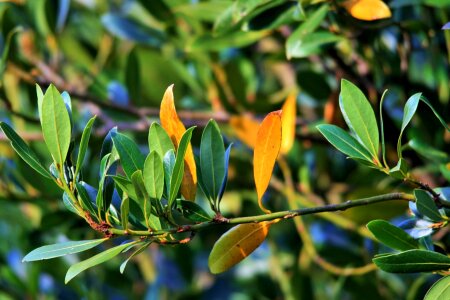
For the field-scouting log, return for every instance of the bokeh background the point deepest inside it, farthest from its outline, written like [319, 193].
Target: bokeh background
[227, 59]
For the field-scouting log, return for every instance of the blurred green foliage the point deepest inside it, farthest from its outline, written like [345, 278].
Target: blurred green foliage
[226, 58]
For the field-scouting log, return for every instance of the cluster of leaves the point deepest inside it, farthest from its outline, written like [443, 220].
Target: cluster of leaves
[413, 237]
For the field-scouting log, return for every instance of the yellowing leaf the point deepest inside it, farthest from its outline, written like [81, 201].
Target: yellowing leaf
[175, 129]
[246, 129]
[367, 10]
[288, 122]
[268, 143]
[236, 244]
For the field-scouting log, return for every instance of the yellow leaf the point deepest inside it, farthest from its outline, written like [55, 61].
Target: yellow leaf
[246, 129]
[288, 122]
[175, 129]
[236, 244]
[367, 10]
[268, 143]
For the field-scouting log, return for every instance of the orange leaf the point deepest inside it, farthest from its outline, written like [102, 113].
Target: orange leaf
[246, 129]
[175, 129]
[268, 143]
[236, 244]
[367, 10]
[288, 122]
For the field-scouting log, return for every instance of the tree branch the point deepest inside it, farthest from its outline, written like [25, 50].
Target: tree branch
[288, 214]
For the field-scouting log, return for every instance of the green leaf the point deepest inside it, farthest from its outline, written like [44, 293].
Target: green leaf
[413, 261]
[40, 99]
[131, 157]
[142, 195]
[6, 47]
[178, 168]
[440, 290]
[383, 145]
[400, 171]
[99, 201]
[24, 151]
[192, 211]
[392, 236]
[425, 100]
[84, 144]
[125, 211]
[86, 202]
[138, 251]
[359, 116]
[68, 203]
[77, 268]
[125, 185]
[56, 125]
[133, 76]
[169, 164]
[408, 113]
[344, 142]
[212, 161]
[61, 249]
[235, 245]
[428, 151]
[296, 39]
[158, 140]
[309, 44]
[426, 206]
[237, 39]
[154, 175]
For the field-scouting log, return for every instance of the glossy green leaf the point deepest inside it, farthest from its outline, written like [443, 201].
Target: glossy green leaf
[86, 202]
[124, 211]
[212, 161]
[169, 164]
[69, 205]
[154, 175]
[413, 261]
[408, 113]
[61, 249]
[392, 236]
[344, 142]
[24, 151]
[56, 125]
[192, 211]
[440, 290]
[77, 268]
[235, 245]
[178, 168]
[138, 251]
[103, 169]
[125, 185]
[359, 116]
[159, 140]
[84, 144]
[131, 157]
[426, 206]
[142, 195]
[225, 178]
[400, 171]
